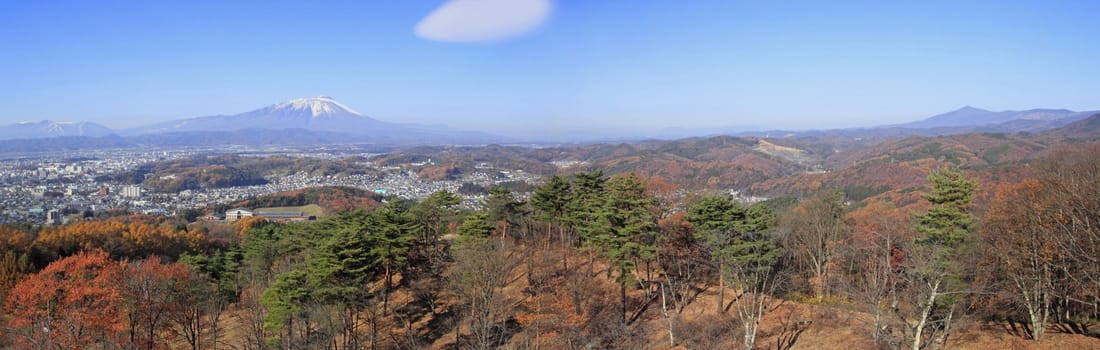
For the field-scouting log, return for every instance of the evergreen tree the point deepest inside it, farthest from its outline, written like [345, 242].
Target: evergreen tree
[434, 214]
[716, 220]
[738, 241]
[475, 229]
[586, 209]
[503, 207]
[392, 231]
[947, 222]
[340, 266]
[283, 301]
[551, 202]
[946, 230]
[734, 237]
[631, 230]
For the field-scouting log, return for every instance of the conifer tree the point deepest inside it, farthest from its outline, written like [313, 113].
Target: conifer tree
[392, 230]
[503, 208]
[585, 208]
[947, 223]
[283, 301]
[551, 202]
[631, 227]
[476, 228]
[946, 229]
[739, 242]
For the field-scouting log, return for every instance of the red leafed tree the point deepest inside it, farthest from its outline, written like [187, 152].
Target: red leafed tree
[71, 304]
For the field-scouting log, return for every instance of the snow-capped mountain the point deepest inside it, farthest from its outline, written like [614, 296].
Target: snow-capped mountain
[318, 107]
[47, 128]
[317, 114]
[320, 113]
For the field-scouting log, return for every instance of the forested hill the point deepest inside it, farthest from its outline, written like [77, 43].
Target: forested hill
[697, 163]
[216, 171]
[587, 260]
[926, 242]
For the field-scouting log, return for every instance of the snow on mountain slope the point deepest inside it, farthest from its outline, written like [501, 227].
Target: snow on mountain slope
[317, 114]
[47, 128]
[320, 106]
[321, 113]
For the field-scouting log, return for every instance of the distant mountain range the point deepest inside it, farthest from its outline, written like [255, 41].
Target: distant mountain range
[304, 121]
[323, 120]
[971, 117]
[961, 121]
[320, 113]
[46, 128]
[1087, 129]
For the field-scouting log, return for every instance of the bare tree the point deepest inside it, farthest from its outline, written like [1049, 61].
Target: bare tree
[756, 280]
[812, 232]
[1071, 182]
[1021, 251]
[479, 273]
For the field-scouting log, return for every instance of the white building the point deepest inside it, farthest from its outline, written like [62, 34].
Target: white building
[237, 214]
[132, 191]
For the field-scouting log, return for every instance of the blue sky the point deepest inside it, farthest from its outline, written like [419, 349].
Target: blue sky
[607, 66]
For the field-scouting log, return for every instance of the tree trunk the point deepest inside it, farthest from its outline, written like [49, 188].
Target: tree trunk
[750, 333]
[721, 288]
[664, 311]
[925, 313]
[947, 326]
[289, 333]
[622, 300]
[1037, 301]
[821, 286]
[1037, 315]
[386, 291]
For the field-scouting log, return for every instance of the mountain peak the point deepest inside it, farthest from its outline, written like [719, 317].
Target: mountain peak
[50, 128]
[320, 106]
[969, 108]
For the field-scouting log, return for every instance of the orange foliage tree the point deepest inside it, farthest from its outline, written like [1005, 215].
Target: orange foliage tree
[152, 293]
[120, 237]
[70, 304]
[88, 300]
[1021, 252]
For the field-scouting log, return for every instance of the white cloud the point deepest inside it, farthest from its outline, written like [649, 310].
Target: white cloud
[483, 20]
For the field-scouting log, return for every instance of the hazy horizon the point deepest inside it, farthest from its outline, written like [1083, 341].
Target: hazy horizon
[552, 67]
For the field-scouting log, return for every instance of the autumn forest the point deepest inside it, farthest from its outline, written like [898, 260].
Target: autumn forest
[930, 252]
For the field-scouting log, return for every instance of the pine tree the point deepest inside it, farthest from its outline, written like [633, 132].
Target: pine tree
[339, 267]
[716, 220]
[947, 230]
[738, 241]
[947, 222]
[434, 214]
[551, 202]
[283, 301]
[392, 231]
[631, 230]
[476, 229]
[503, 208]
[585, 203]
